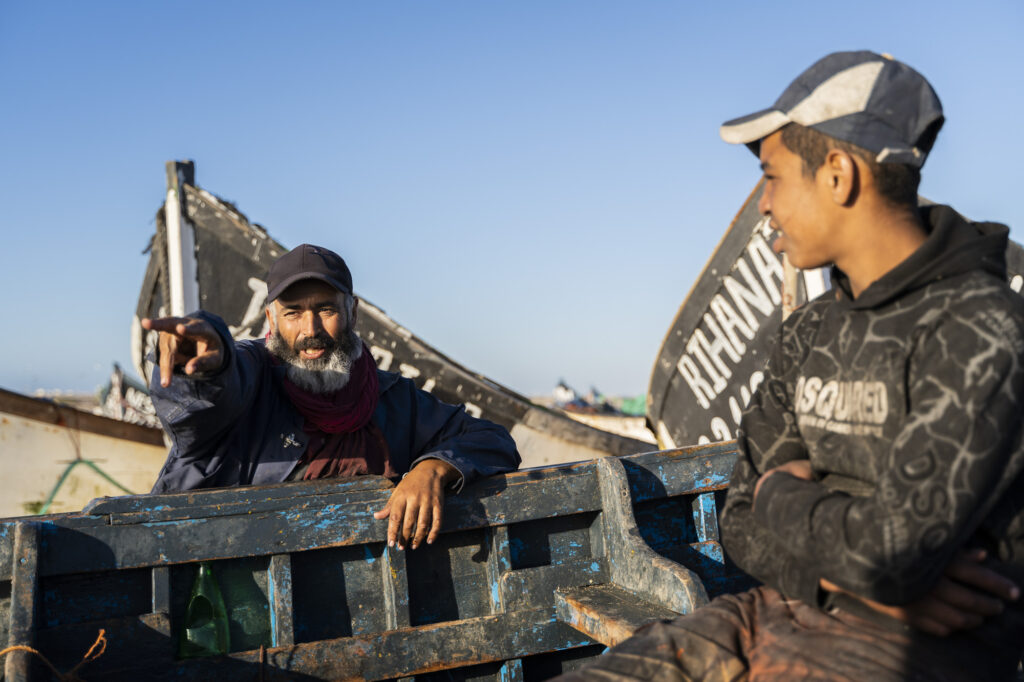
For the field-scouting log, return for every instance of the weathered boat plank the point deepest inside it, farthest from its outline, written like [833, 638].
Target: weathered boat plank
[532, 587]
[282, 612]
[631, 561]
[24, 614]
[607, 613]
[305, 572]
[178, 505]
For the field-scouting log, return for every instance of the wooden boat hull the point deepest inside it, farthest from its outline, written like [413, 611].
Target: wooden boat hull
[714, 353]
[524, 563]
[60, 458]
[234, 257]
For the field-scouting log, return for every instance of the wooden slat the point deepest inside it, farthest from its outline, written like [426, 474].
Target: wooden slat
[607, 613]
[282, 612]
[498, 562]
[668, 473]
[396, 588]
[161, 506]
[705, 518]
[534, 587]
[386, 655]
[161, 579]
[511, 671]
[24, 601]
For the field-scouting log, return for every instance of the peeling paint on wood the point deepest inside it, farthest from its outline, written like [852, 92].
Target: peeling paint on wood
[305, 572]
[607, 613]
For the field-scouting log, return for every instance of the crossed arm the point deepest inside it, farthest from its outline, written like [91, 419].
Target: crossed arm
[965, 594]
[795, 534]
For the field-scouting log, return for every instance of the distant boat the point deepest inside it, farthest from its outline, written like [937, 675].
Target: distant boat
[206, 254]
[57, 458]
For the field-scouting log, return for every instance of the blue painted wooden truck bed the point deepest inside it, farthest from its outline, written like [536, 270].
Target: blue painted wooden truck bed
[306, 574]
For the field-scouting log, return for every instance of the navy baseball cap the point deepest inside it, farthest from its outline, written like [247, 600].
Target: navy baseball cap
[308, 262]
[867, 99]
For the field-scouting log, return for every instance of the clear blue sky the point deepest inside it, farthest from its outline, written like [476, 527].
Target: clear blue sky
[530, 186]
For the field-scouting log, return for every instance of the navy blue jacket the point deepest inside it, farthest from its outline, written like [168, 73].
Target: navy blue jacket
[237, 426]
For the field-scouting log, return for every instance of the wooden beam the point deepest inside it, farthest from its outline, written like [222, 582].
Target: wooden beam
[24, 601]
[607, 613]
[282, 612]
[181, 241]
[631, 561]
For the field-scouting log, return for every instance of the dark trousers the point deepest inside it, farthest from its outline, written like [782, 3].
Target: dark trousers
[760, 636]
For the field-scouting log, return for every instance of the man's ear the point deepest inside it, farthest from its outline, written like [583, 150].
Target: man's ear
[842, 176]
[270, 317]
[355, 310]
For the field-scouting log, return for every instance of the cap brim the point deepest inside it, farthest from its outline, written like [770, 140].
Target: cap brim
[298, 277]
[753, 127]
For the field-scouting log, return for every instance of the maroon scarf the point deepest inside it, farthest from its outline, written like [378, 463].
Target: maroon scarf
[343, 440]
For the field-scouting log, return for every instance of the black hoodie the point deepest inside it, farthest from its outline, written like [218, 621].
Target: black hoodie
[907, 402]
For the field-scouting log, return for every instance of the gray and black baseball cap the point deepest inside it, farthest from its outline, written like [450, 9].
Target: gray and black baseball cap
[308, 262]
[866, 99]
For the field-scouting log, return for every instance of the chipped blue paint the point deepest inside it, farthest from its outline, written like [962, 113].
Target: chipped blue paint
[511, 671]
[714, 480]
[712, 550]
[271, 596]
[495, 595]
[520, 571]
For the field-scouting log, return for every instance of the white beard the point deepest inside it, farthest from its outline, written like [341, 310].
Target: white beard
[322, 375]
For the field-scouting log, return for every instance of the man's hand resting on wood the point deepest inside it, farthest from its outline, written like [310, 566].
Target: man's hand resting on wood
[188, 342]
[415, 507]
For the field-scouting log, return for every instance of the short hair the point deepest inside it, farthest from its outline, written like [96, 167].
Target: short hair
[896, 182]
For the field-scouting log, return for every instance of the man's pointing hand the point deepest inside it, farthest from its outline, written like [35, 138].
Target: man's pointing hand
[186, 341]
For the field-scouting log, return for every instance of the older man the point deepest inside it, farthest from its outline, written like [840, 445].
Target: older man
[309, 403]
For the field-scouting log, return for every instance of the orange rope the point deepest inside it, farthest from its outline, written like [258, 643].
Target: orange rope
[71, 675]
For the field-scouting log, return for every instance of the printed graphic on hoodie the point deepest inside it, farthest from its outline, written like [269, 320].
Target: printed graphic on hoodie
[848, 407]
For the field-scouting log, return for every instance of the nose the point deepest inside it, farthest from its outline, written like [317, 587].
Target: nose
[764, 204]
[310, 323]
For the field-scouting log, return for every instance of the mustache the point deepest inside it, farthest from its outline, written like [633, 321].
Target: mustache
[321, 341]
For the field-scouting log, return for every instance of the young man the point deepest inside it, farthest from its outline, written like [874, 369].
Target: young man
[878, 490]
[310, 403]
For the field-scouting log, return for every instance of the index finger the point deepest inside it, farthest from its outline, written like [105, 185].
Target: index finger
[197, 328]
[163, 324]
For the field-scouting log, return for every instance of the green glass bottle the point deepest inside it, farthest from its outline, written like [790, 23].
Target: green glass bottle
[205, 631]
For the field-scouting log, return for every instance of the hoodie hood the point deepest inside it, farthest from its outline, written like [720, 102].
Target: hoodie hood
[954, 246]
